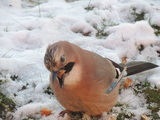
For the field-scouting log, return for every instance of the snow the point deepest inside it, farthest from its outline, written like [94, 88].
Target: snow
[26, 29]
[126, 38]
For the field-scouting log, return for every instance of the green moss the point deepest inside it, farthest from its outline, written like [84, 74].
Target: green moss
[25, 119]
[156, 29]
[101, 34]
[48, 90]
[140, 48]
[122, 116]
[155, 116]
[152, 95]
[6, 105]
[34, 2]
[89, 8]
[101, 30]
[14, 77]
[28, 118]
[138, 16]
[3, 81]
[140, 87]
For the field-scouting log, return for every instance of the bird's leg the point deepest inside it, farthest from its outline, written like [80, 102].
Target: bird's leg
[62, 113]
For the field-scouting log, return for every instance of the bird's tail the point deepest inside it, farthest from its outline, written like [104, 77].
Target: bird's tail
[133, 67]
[137, 67]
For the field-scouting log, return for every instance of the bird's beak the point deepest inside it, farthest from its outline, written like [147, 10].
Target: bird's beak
[54, 75]
[61, 82]
[59, 75]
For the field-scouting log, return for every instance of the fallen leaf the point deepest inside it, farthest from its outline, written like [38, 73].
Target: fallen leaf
[45, 112]
[144, 117]
[86, 33]
[111, 118]
[124, 60]
[127, 83]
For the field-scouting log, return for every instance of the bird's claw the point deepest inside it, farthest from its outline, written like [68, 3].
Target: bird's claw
[62, 113]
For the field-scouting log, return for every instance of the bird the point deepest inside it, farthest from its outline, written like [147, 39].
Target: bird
[83, 81]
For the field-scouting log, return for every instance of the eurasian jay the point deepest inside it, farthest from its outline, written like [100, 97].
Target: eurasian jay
[83, 81]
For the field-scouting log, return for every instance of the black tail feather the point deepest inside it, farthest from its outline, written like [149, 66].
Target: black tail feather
[137, 67]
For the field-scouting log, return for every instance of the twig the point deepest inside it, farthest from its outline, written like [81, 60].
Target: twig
[6, 53]
[39, 9]
[20, 24]
[89, 3]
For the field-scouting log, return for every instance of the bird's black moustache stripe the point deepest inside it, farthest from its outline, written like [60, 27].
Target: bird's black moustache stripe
[68, 67]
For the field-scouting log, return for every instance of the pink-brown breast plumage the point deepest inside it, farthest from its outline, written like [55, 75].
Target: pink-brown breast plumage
[85, 86]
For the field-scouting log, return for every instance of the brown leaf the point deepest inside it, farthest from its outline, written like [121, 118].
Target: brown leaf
[127, 83]
[124, 60]
[86, 33]
[45, 112]
[144, 117]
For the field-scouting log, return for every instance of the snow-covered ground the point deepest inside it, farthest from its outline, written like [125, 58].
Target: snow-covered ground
[113, 29]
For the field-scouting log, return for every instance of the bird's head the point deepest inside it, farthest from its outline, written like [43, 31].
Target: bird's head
[59, 61]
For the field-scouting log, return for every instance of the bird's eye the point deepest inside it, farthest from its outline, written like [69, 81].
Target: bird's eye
[62, 59]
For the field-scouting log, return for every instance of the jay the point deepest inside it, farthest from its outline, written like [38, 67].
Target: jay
[83, 81]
